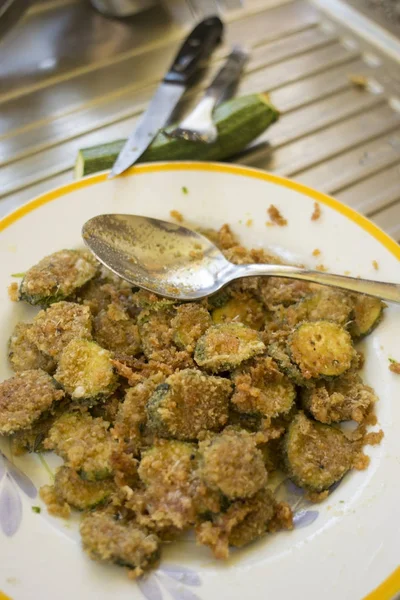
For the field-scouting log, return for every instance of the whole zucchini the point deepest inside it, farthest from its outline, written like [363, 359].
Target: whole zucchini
[239, 121]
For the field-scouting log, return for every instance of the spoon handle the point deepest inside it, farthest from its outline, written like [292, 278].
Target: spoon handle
[377, 289]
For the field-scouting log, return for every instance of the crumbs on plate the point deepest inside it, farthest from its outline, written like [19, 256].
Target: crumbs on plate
[375, 265]
[316, 252]
[394, 366]
[175, 214]
[317, 212]
[276, 217]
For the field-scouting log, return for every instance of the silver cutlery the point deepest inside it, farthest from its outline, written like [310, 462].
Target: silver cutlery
[176, 262]
[198, 126]
[194, 51]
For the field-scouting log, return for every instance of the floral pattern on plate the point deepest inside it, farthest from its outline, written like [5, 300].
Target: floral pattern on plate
[12, 480]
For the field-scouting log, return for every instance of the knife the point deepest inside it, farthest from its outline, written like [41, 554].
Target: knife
[194, 51]
[198, 126]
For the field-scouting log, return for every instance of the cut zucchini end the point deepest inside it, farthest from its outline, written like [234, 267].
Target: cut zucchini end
[321, 349]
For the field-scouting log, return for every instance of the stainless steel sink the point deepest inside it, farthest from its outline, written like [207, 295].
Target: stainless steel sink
[71, 78]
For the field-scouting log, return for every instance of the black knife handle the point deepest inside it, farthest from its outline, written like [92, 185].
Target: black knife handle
[195, 49]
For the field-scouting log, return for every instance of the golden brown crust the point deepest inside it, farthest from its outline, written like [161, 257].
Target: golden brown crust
[24, 355]
[54, 328]
[24, 398]
[232, 464]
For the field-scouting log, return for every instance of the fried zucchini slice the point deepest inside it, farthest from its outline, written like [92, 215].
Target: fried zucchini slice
[280, 353]
[324, 303]
[123, 543]
[224, 347]
[84, 443]
[316, 455]
[54, 328]
[261, 389]
[232, 464]
[243, 522]
[321, 349]
[188, 403]
[115, 330]
[156, 332]
[80, 494]
[167, 471]
[24, 398]
[57, 276]
[367, 314]
[241, 308]
[277, 291]
[85, 371]
[25, 356]
[190, 322]
[341, 399]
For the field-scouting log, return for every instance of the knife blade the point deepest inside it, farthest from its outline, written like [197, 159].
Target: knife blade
[196, 48]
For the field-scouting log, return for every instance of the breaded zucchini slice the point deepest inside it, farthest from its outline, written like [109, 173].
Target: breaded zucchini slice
[24, 398]
[315, 455]
[169, 462]
[123, 543]
[242, 308]
[280, 353]
[57, 276]
[84, 443]
[85, 371]
[341, 399]
[277, 291]
[167, 472]
[321, 349]
[54, 328]
[261, 389]
[190, 322]
[115, 330]
[23, 355]
[188, 403]
[367, 314]
[224, 347]
[155, 330]
[232, 464]
[324, 303]
[78, 493]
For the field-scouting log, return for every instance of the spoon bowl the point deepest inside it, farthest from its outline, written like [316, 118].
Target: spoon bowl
[162, 257]
[179, 263]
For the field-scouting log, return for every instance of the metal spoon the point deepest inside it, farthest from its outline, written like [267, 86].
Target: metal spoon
[179, 263]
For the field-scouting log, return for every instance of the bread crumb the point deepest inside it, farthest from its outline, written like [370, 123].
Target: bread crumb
[276, 216]
[13, 291]
[394, 366]
[317, 212]
[321, 268]
[375, 265]
[184, 190]
[316, 252]
[249, 222]
[175, 214]
[359, 81]
[347, 273]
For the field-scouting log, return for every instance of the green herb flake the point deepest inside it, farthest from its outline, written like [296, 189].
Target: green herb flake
[17, 274]
[184, 190]
[36, 509]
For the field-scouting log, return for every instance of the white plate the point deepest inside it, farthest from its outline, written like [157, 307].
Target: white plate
[351, 544]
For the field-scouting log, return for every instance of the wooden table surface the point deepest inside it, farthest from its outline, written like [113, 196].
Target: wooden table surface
[70, 78]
